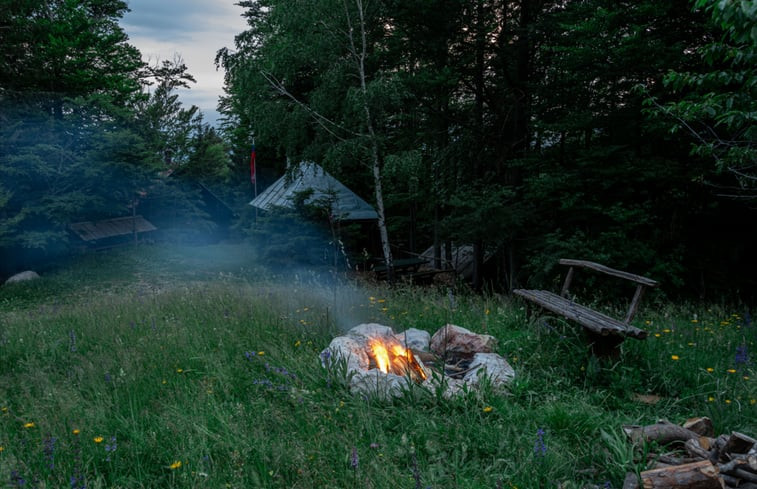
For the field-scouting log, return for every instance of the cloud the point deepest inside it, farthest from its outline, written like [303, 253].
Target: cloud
[193, 29]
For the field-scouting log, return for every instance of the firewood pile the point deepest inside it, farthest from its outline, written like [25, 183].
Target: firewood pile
[696, 458]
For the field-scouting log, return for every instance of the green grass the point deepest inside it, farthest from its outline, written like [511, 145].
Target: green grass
[203, 371]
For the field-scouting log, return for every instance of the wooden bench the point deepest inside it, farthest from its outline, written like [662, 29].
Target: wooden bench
[606, 333]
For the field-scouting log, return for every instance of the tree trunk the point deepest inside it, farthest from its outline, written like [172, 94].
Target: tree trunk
[375, 155]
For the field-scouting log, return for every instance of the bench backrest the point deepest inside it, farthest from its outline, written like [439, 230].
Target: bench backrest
[638, 279]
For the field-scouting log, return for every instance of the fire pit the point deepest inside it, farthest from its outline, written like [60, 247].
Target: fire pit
[384, 363]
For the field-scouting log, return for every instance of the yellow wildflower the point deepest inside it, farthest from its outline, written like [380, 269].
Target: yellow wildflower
[666, 330]
[98, 439]
[297, 343]
[179, 370]
[76, 431]
[710, 399]
[694, 321]
[657, 335]
[175, 465]
[261, 353]
[488, 409]
[727, 401]
[2, 448]
[710, 369]
[381, 301]
[486, 312]
[4, 409]
[28, 425]
[746, 377]
[752, 401]
[731, 370]
[675, 357]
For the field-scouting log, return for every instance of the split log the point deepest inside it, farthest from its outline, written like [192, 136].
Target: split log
[739, 443]
[696, 475]
[730, 481]
[745, 475]
[694, 448]
[701, 425]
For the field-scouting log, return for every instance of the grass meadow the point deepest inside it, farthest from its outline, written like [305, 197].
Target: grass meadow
[193, 368]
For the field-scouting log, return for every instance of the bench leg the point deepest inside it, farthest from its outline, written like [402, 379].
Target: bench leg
[605, 347]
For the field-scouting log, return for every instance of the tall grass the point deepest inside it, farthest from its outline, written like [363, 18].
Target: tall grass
[173, 370]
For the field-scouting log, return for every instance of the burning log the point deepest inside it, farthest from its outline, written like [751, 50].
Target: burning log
[728, 461]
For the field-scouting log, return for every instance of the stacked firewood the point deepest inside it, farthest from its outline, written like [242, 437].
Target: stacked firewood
[697, 460]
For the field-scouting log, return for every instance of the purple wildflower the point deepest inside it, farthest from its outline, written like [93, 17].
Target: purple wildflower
[49, 451]
[741, 358]
[354, 459]
[540, 448]
[416, 470]
[111, 447]
[16, 479]
[72, 340]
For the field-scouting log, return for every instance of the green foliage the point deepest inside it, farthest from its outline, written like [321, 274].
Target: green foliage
[716, 103]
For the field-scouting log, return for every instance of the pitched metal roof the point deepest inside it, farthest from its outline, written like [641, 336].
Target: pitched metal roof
[108, 228]
[347, 205]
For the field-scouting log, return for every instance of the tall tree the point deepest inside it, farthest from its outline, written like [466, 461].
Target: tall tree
[67, 78]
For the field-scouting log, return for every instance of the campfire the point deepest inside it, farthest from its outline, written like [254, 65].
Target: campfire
[391, 357]
[384, 363]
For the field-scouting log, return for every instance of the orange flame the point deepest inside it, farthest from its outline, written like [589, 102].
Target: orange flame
[399, 360]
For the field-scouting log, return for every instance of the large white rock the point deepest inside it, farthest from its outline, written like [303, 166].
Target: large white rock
[492, 366]
[453, 339]
[415, 339]
[22, 277]
[370, 330]
[350, 350]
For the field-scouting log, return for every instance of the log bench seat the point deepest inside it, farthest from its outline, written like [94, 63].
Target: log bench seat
[605, 332]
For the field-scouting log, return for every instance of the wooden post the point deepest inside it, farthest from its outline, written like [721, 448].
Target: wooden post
[566, 285]
[634, 304]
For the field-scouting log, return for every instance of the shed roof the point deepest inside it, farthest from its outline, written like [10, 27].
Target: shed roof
[308, 175]
[108, 228]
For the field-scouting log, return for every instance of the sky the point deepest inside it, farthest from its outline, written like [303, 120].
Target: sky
[194, 29]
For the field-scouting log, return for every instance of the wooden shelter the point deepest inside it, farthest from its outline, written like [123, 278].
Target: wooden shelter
[308, 176]
[112, 232]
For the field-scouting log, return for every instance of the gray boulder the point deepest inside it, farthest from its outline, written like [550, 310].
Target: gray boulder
[22, 277]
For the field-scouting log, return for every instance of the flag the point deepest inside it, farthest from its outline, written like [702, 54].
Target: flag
[252, 164]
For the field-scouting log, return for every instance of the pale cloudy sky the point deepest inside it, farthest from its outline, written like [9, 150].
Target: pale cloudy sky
[196, 30]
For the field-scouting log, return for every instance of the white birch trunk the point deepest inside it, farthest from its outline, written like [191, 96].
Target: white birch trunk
[376, 160]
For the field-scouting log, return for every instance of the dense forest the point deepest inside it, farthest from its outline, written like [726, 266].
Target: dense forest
[618, 131]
